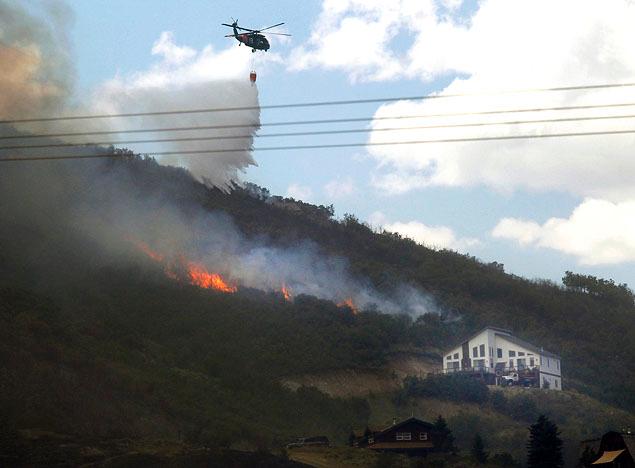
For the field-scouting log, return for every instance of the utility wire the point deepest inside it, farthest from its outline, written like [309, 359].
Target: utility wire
[320, 146]
[311, 133]
[313, 122]
[317, 103]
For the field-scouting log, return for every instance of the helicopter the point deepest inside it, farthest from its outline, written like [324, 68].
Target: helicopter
[252, 38]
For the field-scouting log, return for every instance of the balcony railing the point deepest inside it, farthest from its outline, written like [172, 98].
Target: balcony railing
[498, 370]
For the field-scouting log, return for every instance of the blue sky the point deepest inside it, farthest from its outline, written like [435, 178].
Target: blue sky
[470, 199]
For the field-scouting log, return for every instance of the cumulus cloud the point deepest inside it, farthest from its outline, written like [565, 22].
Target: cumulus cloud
[339, 188]
[598, 232]
[503, 45]
[439, 237]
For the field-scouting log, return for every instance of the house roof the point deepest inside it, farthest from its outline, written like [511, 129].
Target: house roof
[527, 345]
[496, 329]
[629, 441]
[507, 334]
[608, 457]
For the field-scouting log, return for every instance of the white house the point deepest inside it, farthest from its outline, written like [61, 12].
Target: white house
[495, 352]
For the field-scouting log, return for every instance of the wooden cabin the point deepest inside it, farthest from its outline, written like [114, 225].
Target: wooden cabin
[412, 436]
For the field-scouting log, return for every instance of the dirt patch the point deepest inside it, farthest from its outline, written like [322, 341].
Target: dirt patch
[360, 383]
[346, 383]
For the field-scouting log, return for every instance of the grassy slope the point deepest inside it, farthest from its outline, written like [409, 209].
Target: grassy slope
[88, 346]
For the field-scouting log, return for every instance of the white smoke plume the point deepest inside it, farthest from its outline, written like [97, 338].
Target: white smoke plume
[211, 239]
[36, 80]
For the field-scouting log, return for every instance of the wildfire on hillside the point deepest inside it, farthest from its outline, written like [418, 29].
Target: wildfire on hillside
[286, 292]
[348, 302]
[180, 268]
[185, 270]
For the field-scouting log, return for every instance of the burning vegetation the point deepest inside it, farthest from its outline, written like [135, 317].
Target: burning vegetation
[181, 269]
[196, 274]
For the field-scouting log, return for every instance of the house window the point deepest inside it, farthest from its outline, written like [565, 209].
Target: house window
[499, 352]
[521, 353]
[449, 357]
[482, 350]
[423, 436]
[512, 353]
[531, 362]
[456, 355]
[474, 351]
[521, 363]
[479, 363]
[404, 436]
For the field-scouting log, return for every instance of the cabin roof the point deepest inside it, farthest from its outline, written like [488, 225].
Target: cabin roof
[406, 421]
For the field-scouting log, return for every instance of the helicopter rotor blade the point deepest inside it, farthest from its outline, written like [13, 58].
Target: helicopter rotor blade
[278, 34]
[275, 25]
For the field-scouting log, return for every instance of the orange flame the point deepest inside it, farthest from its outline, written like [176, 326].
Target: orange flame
[196, 273]
[350, 304]
[286, 292]
[202, 278]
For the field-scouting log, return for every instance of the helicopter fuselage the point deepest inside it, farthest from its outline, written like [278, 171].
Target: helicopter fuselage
[254, 40]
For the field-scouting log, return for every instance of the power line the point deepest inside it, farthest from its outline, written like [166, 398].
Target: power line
[317, 103]
[313, 133]
[320, 146]
[314, 122]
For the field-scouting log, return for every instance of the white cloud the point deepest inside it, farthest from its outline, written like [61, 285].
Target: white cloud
[171, 53]
[505, 44]
[339, 188]
[299, 192]
[597, 232]
[353, 35]
[439, 237]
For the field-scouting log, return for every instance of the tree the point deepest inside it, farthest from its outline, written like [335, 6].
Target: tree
[545, 446]
[446, 443]
[478, 449]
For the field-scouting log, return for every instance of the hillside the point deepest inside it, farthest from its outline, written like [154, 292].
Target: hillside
[97, 337]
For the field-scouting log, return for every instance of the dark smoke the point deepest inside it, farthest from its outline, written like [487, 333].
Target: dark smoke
[36, 72]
